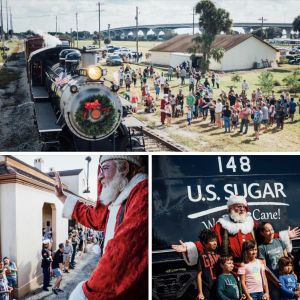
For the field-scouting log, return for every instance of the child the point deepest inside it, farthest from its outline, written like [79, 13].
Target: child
[289, 288]
[206, 265]
[4, 288]
[252, 272]
[189, 116]
[157, 91]
[234, 120]
[229, 288]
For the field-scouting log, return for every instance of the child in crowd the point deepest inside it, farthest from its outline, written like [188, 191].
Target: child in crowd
[189, 115]
[229, 287]
[234, 120]
[289, 287]
[207, 266]
[252, 272]
[5, 290]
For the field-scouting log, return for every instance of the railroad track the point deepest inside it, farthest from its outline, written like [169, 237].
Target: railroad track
[156, 143]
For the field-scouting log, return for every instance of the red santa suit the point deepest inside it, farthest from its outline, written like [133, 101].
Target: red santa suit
[122, 272]
[163, 103]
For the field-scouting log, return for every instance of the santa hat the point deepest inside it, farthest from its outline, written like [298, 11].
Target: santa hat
[131, 158]
[236, 199]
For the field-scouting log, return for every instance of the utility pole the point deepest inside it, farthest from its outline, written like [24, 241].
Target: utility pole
[193, 20]
[55, 25]
[137, 33]
[1, 18]
[6, 19]
[71, 44]
[11, 22]
[77, 27]
[262, 25]
[108, 29]
[99, 15]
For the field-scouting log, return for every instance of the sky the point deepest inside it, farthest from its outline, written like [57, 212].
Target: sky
[41, 14]
[62, 162]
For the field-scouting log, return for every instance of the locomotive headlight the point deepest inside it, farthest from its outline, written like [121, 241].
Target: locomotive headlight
[94, 73]
[73, 89]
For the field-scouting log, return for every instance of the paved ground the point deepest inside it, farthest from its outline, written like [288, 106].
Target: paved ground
[83, 270]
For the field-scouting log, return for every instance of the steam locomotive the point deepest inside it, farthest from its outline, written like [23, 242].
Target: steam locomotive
[76, 108]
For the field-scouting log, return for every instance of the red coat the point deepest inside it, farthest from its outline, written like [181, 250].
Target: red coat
[122, 272]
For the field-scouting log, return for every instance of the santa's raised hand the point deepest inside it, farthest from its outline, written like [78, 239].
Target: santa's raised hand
[293, 233]
[182, 248]
[58, 188]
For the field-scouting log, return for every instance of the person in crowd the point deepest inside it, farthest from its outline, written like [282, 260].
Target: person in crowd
[245, 86]
[289, 286]
[228, 286]
[182, 75]
[5, 289]
[227, 117]
[46, 264]
[190, 101]
[279, 115]
[127, 82]
[163, 103]
[218, 113]
[257, 118]
[168, 111]
[170, 73]
[207, 261]
[234, 120]
[292, 109]
[75, 242]
[122, 212]
[192, 84]
[217, 77]
[189, 115]
[245, 115]
[57, 268]
[68, 251]
[11, 271]
[134, 103]
[265, 115]
[252, 273]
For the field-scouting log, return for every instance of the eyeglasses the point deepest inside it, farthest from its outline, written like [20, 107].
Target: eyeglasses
[239, 207]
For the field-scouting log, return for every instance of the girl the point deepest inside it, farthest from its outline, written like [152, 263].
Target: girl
[289, 288]
[252, 272]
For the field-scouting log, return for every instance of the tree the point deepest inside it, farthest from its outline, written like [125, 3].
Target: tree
[212, 21]
[292, 81]
[107, 41]
[296, 24]
[236, 78]
[266, 82]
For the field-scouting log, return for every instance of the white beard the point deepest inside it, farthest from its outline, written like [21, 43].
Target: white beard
[238, 218]
[111, 190]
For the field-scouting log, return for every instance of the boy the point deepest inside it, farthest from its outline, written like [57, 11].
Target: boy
[189, 115]
[229, 288]
[57, 267]
[206, 265]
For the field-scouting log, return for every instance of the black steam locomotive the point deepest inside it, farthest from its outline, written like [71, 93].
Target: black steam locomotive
[76, 108]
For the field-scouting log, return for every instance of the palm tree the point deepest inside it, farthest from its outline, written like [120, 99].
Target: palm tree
[212, 21]
[296, 24]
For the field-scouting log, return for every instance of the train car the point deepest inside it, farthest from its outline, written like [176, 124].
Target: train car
[76, 108]
[190, 194]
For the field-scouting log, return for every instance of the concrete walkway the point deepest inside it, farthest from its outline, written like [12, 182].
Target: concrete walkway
[84, 267]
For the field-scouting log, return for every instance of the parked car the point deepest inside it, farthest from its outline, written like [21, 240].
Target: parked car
[114, 60]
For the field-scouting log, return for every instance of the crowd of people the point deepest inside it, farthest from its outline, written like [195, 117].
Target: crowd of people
[241, 259]
[8, 278]
[230, 110]
[55, 263]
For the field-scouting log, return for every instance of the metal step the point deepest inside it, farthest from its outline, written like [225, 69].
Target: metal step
[45, 117]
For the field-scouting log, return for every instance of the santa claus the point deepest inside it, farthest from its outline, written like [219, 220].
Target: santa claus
[122, 213]
[232, 230]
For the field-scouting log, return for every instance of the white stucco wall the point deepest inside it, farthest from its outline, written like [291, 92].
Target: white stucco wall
[177, 59]
[76, 183]
[244, 55]
[160, 58]
[21, 228]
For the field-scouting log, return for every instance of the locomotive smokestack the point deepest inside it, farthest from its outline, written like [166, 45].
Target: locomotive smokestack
[88, 59]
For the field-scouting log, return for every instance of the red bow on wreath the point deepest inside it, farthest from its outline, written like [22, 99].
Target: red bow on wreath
[95, 105]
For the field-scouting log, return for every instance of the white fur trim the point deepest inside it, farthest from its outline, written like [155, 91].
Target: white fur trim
[129, 187]
[111, 224]
[137, 160]
[78, 293]
[69, 207]
[235, 199]
[192, 253]
[284, 235]
[233, 228]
